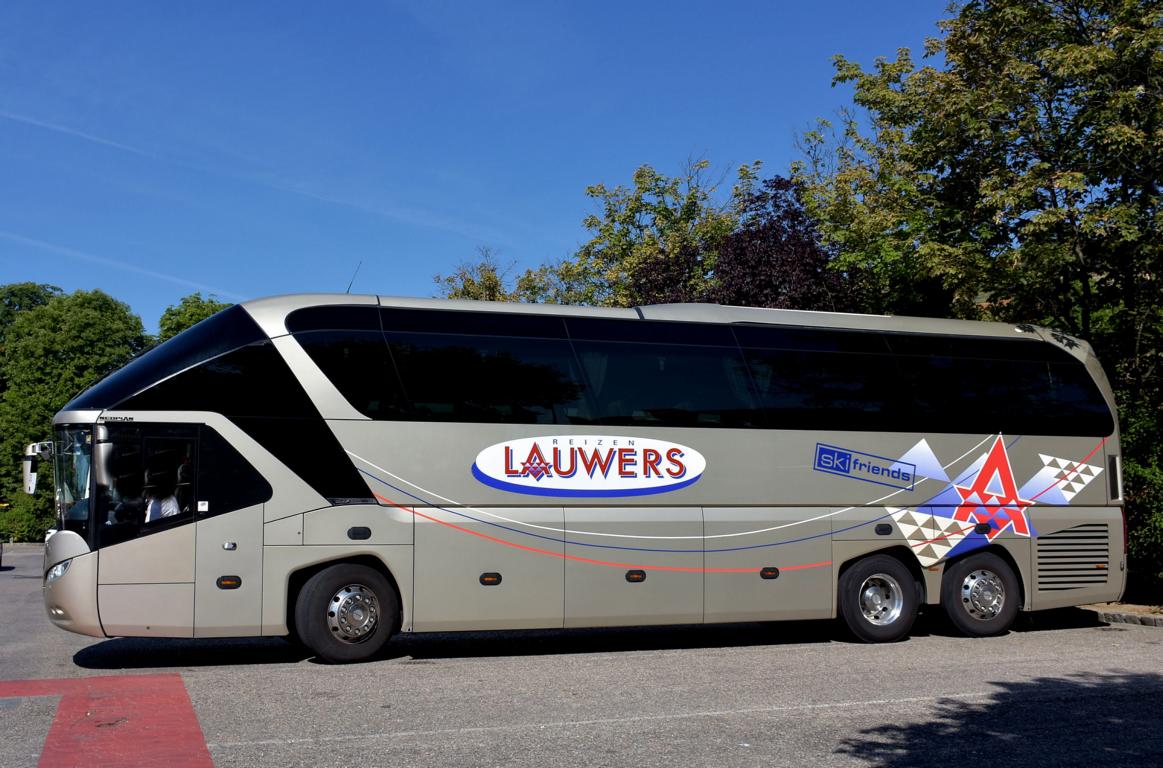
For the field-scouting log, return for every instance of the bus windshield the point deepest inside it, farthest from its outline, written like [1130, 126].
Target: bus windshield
[74, 454]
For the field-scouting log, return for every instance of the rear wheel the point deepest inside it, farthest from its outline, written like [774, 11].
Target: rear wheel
[980, 595]
[878, 599]
[346, 613]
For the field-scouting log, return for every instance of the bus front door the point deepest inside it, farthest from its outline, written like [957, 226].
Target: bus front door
[144, 529]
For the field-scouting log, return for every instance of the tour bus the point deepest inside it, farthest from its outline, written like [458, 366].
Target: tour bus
[339, 468]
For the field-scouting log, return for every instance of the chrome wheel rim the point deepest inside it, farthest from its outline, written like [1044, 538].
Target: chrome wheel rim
[881, 599]
[983, 594]
[353, 613]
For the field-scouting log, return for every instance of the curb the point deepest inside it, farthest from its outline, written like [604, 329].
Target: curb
[1142, 619]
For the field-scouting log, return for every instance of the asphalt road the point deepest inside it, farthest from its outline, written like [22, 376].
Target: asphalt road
[1062, 690]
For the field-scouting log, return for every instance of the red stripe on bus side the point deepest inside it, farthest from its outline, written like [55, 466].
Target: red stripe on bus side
[944, 536]
[589, 560]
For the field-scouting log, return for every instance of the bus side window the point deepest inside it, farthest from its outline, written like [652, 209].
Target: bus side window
[226, 480]
[169, 475]
[151, 481]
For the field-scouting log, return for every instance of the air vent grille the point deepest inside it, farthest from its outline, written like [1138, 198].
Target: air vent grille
[1075, 558]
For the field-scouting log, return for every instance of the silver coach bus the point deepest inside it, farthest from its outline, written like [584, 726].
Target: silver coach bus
[339, 468]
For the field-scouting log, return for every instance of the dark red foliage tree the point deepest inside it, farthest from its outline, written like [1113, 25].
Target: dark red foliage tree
[774, 258]
[669, 278]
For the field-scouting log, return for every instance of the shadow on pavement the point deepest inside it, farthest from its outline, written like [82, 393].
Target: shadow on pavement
[154, 653]
[1084, 720]
[1060, 618]
[160, 653]
[150, 653]
[606, 640]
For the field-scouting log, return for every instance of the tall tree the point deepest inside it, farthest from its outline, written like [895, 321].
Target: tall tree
[1025, 172]
[1022, 170]
[485, 279]
[188, 312]
[54, 352]
[656, 240]
[775, 258]
[16, 298]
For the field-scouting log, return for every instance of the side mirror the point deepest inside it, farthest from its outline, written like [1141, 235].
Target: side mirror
[33, 455]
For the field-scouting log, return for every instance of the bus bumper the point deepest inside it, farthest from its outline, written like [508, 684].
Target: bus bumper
[70, 600]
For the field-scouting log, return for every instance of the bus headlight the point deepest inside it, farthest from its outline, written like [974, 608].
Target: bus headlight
[56, 572]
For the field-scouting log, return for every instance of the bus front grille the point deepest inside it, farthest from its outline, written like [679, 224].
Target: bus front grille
[1074, 558]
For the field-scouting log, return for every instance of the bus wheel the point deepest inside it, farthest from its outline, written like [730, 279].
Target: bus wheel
[878, 599]
[980, 595]
[346, 613]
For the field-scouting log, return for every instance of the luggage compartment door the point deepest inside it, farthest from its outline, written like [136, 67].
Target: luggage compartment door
[666, 558]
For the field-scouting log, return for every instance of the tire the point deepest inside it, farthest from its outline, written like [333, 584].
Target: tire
[346, 613]
[878, 599]
[980, 595]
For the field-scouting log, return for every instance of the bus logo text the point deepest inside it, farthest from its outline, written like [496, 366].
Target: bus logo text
[588, 465]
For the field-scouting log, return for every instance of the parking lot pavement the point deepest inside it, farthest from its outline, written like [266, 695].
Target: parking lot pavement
[1063, 690]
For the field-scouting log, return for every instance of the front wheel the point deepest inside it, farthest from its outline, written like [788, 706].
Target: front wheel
[346, 613]
[980, 595]
[878, 599]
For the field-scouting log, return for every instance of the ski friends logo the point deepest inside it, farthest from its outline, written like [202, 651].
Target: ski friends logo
[865, 466]
[588, 465]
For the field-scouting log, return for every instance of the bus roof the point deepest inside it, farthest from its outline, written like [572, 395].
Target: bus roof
[271, 312]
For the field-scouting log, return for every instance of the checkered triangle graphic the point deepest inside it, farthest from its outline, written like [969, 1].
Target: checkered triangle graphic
[1072, 476]
[928, 536]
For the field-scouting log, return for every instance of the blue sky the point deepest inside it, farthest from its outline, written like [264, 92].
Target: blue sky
[247, 149]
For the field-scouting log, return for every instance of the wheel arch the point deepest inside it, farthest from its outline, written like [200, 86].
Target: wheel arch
[899, 552]
[299, 577]
[1004, 554]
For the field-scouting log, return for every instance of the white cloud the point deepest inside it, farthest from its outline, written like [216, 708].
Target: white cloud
[124, 266]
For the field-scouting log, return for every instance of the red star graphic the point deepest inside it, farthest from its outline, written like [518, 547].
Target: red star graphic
[536, 469]
[1001, 511]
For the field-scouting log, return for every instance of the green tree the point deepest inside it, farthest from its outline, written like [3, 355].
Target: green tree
[485, 279]
[1021, 170]
[15, 298]
[657, 240]
[190, 311]
[18, 297]
[53, 352]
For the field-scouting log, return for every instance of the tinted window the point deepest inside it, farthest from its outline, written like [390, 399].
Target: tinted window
[663, 374]
[1034, 397]
[667, 385]
[540, 369]
[1026, 349]
[478, 378]
[250, 381]
[226, 481]
[309, 449]
[649, 331]
[815, 378]
[357, 362]
[811, 339]
[472, 323]
[808, 379]
[229, 329]
[149, 483]
[254, 387]
[364, 318]
[800, 389]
